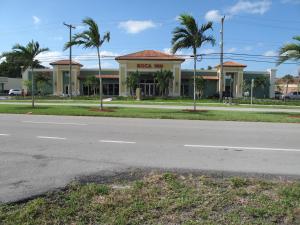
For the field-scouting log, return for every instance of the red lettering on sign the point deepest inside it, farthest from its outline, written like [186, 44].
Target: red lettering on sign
[144, 66]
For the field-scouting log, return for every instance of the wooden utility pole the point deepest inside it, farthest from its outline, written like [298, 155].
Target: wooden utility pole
[70, 59]
[221, 59]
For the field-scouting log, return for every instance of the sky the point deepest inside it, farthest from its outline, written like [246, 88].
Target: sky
[252, 27]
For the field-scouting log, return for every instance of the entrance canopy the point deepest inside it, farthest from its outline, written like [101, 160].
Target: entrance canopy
[149, 61]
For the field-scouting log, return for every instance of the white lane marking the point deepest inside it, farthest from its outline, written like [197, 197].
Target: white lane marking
[56, 123]
[119, 142]
[46, 137]
[245, 148]
[4, 134]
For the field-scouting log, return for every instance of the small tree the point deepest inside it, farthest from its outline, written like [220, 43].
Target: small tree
[200, 86]
[209, 68]
[132, 81]
[163, 78]
[287, 79]
[94, 82]
[88, 81]
[42, 81]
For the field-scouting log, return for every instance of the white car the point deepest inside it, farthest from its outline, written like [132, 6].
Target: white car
[14, 92]
[292, 95]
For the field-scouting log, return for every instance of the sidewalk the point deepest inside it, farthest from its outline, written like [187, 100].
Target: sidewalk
[218, 108]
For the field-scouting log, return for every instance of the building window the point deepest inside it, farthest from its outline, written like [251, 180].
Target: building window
[110, 89]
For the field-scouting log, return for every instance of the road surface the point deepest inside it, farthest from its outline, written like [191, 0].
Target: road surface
[40, 153]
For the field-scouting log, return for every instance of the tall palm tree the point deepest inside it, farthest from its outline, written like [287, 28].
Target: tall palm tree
[191, 35]
[290, 51]
[91, 38]
[28, 56]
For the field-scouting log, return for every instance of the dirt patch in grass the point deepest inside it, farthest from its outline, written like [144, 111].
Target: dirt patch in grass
[295, 116]
[103, 110]
[194, 111]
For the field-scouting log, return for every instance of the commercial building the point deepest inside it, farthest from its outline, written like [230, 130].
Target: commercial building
[147, 63]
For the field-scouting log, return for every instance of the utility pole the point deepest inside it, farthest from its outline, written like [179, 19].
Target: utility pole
[221, 59]
[70, 59]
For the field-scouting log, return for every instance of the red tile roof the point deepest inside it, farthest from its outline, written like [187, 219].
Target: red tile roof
[232, 64]
[65, 62]
[150, 55]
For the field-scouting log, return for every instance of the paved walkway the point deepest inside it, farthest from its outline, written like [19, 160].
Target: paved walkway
[218, 108]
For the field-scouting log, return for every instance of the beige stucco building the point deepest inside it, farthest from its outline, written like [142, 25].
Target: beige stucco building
[147, 63]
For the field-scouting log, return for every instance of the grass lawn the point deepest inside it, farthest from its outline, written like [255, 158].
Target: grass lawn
[163, 199]
[154, 113]
[257, 103]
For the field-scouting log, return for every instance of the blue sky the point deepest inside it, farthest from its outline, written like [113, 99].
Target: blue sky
[251, 27]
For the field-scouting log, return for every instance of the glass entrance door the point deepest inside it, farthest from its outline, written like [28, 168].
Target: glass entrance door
[147, 89]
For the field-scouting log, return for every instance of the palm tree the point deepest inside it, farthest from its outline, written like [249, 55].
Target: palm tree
[190, 35]
[91, 38]
[163, 78]
[28, 55]
[132, 81]
[290, 51]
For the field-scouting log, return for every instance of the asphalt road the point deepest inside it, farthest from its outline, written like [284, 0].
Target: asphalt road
[40, 153]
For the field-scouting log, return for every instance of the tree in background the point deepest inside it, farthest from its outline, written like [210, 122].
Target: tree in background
[209, 68]
[132, 81]
[200, 86]
[88, 82]
[290, 51]
[42, 82]
[163, 78]
[11, 65]
[261, 82]
[91, 38]
[27, 55]
[190, 35]
[287, 79]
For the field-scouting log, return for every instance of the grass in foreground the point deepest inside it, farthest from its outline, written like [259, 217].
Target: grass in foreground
[154, 113]
[164, 199]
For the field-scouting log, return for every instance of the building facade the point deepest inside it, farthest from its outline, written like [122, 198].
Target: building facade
[235, 81]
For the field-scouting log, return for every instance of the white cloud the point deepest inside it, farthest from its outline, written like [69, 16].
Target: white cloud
[3, 59]
[248, 48]
[270, 53]
[137, 26]
[36, 20]
[231, 50]
[290, 1]
[242, 6]
[47, 57]
[208, 51]
[252, 7]
[213, 15]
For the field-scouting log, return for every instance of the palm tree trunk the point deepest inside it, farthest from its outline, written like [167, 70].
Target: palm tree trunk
[32, 88]
[195, 60]
[100, 79]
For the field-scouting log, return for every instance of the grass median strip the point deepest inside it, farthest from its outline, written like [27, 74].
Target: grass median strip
[154, 113]
[166, 198]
